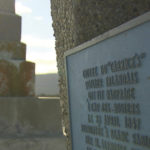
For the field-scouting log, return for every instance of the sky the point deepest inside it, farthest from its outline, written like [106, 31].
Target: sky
[37, 34]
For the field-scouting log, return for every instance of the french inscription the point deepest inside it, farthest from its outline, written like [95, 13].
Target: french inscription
[124, 64]
[93, 130]
[107, 145]
[121, 94]
[133, 123]
[141, 140]
[94, 83]
[110, 120]
[112, 107]
[90, 72]
[127, 108]
[122, 79]
[119, 135]
[96, 95]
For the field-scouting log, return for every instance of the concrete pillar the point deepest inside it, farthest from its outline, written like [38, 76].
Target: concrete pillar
[77, 21]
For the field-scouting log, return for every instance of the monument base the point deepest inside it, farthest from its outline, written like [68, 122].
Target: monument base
[29, 123]
[22, 117]
[50, 143]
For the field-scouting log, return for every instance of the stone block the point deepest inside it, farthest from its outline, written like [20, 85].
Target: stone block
[12, 50]
[10, 27]
[7, 6]
[33, 143]
[16, 78]
[29, 117]
[29, 123]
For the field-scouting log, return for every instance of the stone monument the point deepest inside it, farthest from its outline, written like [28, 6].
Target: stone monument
[25, 122]
[77, 21]
[108, 80]
[16, 74]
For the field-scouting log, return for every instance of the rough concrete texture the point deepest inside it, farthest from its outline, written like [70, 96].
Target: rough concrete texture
[12, 50]
[23, 117]
[30, 124]
[42, 143]
[77, 21]
[10, 27]
[16, 78]
[64, 31]
[7, 6]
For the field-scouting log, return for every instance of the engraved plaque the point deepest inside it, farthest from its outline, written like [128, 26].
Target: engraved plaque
[109, 89]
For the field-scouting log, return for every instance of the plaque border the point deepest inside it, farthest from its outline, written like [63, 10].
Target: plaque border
[113, 32]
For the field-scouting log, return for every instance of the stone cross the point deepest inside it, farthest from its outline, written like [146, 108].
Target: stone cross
[7, 6]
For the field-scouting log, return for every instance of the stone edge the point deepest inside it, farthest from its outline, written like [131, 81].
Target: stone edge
[122, 28]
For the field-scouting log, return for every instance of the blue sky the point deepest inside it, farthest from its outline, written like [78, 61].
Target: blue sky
[37, 33]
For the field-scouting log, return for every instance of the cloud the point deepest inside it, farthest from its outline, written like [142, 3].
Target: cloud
[43, 69]
[42, 52]
[44, 65]
[48, 57]
[33, 41]
[38, 18]
[45, 61]
[22, 9]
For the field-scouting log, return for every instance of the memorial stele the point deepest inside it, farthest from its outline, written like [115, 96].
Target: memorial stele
[108, 89]
[16, 74]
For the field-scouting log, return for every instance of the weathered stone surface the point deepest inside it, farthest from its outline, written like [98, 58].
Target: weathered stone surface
[42, 143]
[27, 78]
[12, 50]
[29, 117]
[10, 27]
[29, 123]
[97, 17]
[16, 75]
[16, 78]
[7, 6]
[77, 21]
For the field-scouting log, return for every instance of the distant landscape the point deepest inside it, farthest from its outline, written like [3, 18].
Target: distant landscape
[46, 85]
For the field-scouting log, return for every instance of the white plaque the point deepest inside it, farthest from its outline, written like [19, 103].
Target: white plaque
[109, 89]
